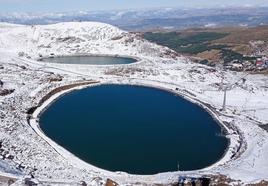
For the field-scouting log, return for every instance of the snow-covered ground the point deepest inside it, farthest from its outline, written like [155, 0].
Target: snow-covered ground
[25, 150]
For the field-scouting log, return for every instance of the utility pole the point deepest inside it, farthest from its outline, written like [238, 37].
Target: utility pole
[224, 99]
[229, 86]
[224, 89]
[221, 86]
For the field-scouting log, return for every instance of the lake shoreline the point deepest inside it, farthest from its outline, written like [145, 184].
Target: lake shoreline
[34, 123]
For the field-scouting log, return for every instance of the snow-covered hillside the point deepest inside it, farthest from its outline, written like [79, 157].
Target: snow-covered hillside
[26, 82]
[74, 38]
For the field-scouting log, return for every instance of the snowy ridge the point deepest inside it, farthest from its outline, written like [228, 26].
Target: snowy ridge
[26, 81]
[73, 38]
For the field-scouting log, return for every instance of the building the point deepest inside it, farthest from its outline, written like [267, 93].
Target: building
[259, 62]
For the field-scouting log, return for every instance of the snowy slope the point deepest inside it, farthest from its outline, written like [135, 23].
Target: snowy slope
[73, 38]
[33, 153]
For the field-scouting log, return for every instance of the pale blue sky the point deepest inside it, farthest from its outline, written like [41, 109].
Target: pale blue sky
[73, 5]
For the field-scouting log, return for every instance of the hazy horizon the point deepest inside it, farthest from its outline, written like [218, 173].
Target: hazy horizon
[42, 6]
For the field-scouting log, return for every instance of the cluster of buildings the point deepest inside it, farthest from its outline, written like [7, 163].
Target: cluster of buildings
[185, 181]
[258, 64]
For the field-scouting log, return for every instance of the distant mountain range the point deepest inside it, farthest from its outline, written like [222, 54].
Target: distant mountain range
[151, 19]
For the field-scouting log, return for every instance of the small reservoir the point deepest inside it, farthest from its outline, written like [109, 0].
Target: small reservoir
[138, 130]
[89, 60]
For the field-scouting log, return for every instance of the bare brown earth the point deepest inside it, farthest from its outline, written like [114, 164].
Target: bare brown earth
[238, 40]
[213, 55]
[238, 35]
[244, 35]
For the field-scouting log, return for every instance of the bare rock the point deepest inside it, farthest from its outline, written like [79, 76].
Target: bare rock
[5, 92]
[110, 182]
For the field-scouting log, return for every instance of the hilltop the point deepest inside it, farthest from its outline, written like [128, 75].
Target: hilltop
[69, 38]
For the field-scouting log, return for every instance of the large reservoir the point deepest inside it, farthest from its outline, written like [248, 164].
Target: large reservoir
[134, 129]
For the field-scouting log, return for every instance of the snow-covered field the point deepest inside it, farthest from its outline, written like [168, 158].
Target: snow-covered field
[25, 150]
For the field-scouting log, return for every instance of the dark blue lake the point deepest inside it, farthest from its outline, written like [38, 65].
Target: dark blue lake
[134, 129]
[90, 60]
